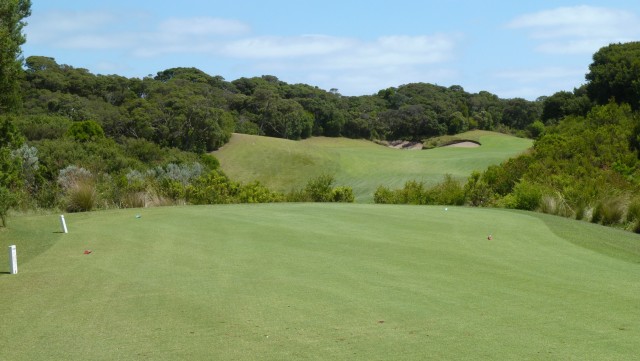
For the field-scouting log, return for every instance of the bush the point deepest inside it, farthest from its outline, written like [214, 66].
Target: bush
[449, 191]
[383, 195]
[413, 193]
[609, 211]
[342, 194]
[257, 193]
[319, 189]
[527, 196]
[72, 175]
[85, 131]
[82, 197]
[476, 191]
[633, 211]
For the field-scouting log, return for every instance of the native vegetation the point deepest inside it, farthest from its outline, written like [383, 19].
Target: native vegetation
[80, 141]
[584, 164]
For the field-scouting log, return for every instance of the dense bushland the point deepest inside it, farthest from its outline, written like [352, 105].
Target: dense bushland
[584, 165]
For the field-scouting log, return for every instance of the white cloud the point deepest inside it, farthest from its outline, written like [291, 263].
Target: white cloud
[57, 25]
[534, 82]
[286, 47]
[578, 29]
[540, 74]
[204, 26]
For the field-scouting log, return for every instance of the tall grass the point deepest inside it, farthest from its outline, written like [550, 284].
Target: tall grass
[81, 197]
[609, 211]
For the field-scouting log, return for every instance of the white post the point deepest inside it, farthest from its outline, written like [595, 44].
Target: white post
[13, 260]
[64, 224]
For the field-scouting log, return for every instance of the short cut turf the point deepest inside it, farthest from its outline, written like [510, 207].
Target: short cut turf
[317, 282]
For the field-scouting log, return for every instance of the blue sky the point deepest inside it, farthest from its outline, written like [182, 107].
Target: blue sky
[511, 48]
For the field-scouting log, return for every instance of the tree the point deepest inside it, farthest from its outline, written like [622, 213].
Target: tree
[10, 166]
[615, 74]
[12, 13]
[518, 113]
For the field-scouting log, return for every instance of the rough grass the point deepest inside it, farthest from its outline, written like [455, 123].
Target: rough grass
[318, 282]
[285, 165]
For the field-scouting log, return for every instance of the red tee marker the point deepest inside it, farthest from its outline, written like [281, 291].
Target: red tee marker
[87, 251]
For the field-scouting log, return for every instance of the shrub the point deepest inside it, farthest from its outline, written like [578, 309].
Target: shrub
[319, 189]
[609, 211]
[413, 193]
[527, 196]
[383, 195]
[342, 194]
[72, 175]
[449, 191]
[82, 197]
[476, 191]
[212, 188]
[257, 193]
[85, 131]
[633, 211]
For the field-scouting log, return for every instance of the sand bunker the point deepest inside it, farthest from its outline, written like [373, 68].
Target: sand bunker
[466, 144]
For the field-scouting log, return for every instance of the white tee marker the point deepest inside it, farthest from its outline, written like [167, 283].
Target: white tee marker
[63, 224]
[13, 260]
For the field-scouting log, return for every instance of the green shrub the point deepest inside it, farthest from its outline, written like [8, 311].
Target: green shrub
[476, 191]
[85, 131]
[449, 191]
[527, 196]
[609, 211]
[342, 194]
[413, 193]
[319, 189]
[257, 193]
[384, 195]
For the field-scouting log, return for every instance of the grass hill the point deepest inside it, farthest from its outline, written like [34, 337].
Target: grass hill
[317, 282]
[284, 165]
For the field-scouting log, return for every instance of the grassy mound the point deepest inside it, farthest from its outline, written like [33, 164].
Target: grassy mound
[319, 281]
[284, 165]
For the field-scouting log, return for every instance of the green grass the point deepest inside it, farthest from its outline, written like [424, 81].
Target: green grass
[319, 282]
[284, 165]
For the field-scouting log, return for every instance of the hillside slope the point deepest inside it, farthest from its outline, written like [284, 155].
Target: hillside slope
[285, 164]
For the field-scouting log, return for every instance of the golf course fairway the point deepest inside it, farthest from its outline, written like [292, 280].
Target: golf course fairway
[285, 165]
[318, 282]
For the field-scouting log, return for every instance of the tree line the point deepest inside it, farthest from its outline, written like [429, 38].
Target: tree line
[76, 140]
